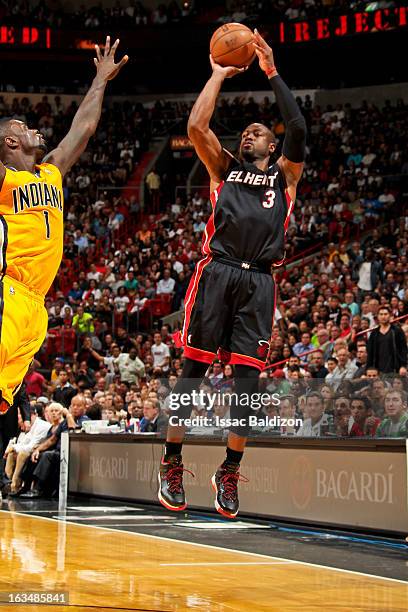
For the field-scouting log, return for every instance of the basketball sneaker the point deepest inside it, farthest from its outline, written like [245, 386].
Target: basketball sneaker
[225, 485]
[171, 491]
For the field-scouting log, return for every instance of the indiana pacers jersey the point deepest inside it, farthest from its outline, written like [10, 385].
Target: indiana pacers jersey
[251, 211]
[31, 226]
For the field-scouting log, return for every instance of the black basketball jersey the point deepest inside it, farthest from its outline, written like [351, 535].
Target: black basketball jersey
[251, 211]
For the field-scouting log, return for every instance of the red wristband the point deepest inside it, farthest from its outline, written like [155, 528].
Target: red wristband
[270, 72]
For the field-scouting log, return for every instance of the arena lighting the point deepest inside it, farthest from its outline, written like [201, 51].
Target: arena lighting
[337, 26]
[25, 36]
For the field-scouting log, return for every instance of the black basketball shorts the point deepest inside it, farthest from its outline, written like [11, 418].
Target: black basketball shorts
[229, 312]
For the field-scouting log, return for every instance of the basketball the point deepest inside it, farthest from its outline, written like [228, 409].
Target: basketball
[231, 45]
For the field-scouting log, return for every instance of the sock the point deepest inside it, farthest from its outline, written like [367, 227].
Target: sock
[172, 448]
[233, 456]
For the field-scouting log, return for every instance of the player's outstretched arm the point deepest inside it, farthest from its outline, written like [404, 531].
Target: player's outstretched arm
[293, 151]
[87, 117]
[206, 143]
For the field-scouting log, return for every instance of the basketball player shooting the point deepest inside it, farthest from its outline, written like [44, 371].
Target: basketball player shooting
[230, 302]
[31, 223]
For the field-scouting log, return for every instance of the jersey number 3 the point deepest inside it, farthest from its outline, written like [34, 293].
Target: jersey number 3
[270, 201]
[47, 224]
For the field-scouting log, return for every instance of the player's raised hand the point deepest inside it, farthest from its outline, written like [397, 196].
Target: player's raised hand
[264, 53]
[226, 72]
[105, 64]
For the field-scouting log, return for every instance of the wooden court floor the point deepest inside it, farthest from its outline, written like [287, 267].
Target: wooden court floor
[104, 569]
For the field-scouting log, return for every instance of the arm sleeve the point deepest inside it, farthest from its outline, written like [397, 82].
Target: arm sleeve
[294, 144]
[24, 404]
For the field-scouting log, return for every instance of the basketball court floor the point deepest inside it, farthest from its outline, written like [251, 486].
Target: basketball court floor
[104, 555]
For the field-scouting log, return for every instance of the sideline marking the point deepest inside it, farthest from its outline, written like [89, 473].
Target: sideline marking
[240, 552]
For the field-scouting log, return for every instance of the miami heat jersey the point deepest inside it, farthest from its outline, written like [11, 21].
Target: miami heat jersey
[251, 211]
[31, 226]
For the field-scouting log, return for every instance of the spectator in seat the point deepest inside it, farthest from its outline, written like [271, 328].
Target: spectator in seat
[372, 373]
[345, 368]
[343, 419]
[18, 452]
[83, 322]
[149, 290]
[56, 319]
[160, 352]
[85, 377]
[42, 470]
[323, 343]
[350, 303]
[217, 374]
[303, 347]
[94, 412]
[319, 423]
[377, 391]
[64, 391]
[287, 410]
[45, 458]
[166, 284]
[316, 366]
[153, 419]
[365, 423]
[131, 283]
[361, 361]
[59, 365]
[368, 273]
[78, 410]
[131, 368]
[35, 382]
[81, 241]
[395, 423]
[111, 361]
[75, 294]
[153, 184]
[121, 301]
[387, 345]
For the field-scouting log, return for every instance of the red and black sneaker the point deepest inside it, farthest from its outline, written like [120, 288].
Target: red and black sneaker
[171, 491]
[225, 485]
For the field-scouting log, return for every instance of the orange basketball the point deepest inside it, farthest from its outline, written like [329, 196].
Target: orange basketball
[231, 45]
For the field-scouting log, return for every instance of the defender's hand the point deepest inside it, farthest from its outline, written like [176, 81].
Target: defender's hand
[226, 72]
[264, 53]
[26, 426]
[105, 64]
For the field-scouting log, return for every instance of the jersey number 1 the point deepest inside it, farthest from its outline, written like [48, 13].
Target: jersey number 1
[47, 224]
[270, 201]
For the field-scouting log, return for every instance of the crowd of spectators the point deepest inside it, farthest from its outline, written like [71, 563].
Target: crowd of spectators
[271, 11]
[135, 13]
[328, 365]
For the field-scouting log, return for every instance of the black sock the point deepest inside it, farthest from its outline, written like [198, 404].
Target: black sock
[233, 456]
[172, 448]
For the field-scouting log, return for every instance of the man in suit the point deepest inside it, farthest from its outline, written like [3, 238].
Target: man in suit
[153, 419]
